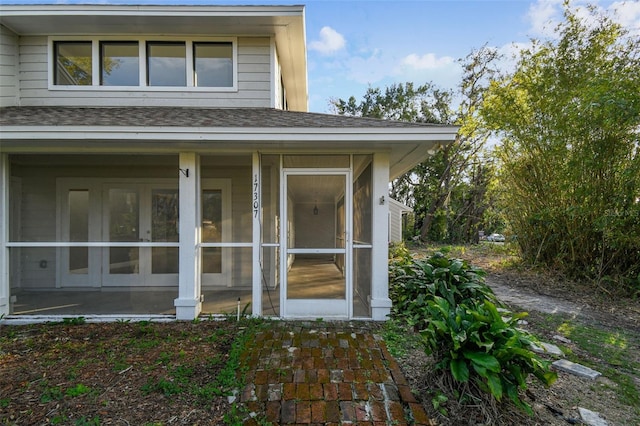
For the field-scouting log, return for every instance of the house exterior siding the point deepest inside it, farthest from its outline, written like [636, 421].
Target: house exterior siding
[254, 87]
[8, 67]
[396, 212]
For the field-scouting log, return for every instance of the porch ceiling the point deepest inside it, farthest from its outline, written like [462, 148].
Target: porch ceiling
[171, 130]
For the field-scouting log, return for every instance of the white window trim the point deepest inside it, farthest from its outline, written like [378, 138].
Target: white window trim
[142, 43]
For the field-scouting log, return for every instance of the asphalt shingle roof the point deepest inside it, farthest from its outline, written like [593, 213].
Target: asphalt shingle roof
[187, 117]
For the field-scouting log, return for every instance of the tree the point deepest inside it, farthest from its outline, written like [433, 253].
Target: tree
[569, 121]
[432, 186]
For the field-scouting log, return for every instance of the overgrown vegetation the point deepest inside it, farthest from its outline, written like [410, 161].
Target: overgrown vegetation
[563, 179]
[457, 315]
[569, 119]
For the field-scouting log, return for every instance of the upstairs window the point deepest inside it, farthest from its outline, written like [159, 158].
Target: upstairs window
[213, 64]
[159, 64]
[73, 63]
[119, 63]
[166, 64]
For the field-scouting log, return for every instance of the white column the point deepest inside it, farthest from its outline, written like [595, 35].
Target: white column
[380, 302]
[5, 181]
[256, 211]
[189, 304]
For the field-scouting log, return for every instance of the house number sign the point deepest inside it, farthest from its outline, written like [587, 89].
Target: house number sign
[256, 205]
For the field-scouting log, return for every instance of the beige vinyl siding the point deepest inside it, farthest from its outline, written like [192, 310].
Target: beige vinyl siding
[38, 220]
[254, 85]
[395, 217]
[396, 210]
[8, 67]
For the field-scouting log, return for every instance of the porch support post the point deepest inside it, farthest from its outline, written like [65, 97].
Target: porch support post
[189, 304]
[4, 234]
[256, 211]
[380, 302]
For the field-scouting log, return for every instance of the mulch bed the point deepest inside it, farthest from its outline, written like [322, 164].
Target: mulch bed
[114, 373]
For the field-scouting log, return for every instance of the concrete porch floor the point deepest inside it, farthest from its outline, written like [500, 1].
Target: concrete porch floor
[69, 302]
[307, 280]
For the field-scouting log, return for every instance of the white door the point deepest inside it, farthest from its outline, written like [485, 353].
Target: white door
[140, 219]
[315, 240]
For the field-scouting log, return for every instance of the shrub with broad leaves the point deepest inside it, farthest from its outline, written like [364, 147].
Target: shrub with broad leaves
[456, 313]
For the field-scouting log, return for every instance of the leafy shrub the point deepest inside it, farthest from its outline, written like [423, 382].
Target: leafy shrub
[456, 313]
[474, 342]
[414, 282]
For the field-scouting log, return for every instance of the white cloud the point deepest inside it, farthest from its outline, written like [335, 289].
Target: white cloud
[627, 14]
[428, 61]
[369, 67]
[330, 41]
[544, 16]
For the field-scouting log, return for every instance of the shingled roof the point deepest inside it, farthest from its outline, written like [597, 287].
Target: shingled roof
[188, 117]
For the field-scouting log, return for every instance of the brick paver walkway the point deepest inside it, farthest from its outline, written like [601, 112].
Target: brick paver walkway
[326, 373]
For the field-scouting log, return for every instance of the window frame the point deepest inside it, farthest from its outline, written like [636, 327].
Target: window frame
[142, 68]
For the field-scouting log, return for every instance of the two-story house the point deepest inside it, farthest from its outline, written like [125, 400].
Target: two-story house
[161, 160]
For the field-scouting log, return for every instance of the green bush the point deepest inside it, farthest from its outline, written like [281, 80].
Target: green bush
[456, 313]
[414, 282]
[475, 342]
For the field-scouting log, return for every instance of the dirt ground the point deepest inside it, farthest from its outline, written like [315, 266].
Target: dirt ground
[114, 373]
[541, 293]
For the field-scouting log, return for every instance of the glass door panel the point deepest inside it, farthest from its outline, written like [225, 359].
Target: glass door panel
[78, 266]
[216, 229]
[141, 214]
[124, 226]
[212, 230]
[164, 228]
[78, 205]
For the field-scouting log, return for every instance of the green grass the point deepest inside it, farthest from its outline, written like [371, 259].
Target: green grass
[610, 351]
[399, 340]
[77, 390]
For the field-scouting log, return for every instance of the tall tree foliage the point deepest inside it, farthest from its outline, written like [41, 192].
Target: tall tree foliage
[443, 190]
[569, 120]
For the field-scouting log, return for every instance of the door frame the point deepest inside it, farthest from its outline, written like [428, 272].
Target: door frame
[314, 308]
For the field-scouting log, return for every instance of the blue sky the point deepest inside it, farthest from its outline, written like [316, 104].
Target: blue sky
[354, 44]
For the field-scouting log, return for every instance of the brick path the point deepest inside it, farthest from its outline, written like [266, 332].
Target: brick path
[326, 373]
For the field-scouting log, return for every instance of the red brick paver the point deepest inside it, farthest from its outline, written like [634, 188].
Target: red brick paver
[310, 373]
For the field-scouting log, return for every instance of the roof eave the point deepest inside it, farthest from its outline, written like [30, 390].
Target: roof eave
[391, 134]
